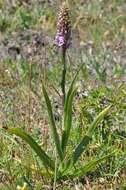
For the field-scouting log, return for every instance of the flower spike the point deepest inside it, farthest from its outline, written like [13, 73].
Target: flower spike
[63, 35]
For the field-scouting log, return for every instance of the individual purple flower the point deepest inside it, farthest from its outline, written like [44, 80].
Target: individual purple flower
[63, 35]
[59, 39]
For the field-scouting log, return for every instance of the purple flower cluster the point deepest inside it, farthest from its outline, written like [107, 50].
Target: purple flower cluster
[63, 35]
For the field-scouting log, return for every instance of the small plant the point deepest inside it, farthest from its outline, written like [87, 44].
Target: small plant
[64, 167]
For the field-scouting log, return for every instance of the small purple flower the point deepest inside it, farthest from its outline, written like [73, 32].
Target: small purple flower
[59, 39]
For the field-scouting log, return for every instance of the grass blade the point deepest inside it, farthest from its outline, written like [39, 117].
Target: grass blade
[86, 139]
[47, 162]
[53, 126]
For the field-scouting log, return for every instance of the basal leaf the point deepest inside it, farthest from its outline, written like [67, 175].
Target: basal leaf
[67, 121]
[91, 165]
[86, 139]
[53, 126]
[68, 112]
[47, 161]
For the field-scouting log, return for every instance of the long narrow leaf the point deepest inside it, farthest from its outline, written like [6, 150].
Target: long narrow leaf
[67, 121]
[98, 119]
[47, 161]
[53, 126]
[71, 87]
[90, 165]
[86, 139]
[68, 112]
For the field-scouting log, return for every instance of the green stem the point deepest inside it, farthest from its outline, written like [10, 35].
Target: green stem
[63, 82]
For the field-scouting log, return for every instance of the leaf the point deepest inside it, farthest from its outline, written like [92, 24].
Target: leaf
[98, 119]
[71, 87]
[90, 165]
[87, 138]
[67, 121]
[53, 126]
[68, 112]
[47, 161]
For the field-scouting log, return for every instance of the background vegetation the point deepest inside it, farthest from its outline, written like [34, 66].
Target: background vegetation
[28, 56]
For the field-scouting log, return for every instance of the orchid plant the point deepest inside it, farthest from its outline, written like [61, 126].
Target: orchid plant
[64, 168]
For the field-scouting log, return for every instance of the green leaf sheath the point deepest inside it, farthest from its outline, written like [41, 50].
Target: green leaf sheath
[53, 126]
[47, 161]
